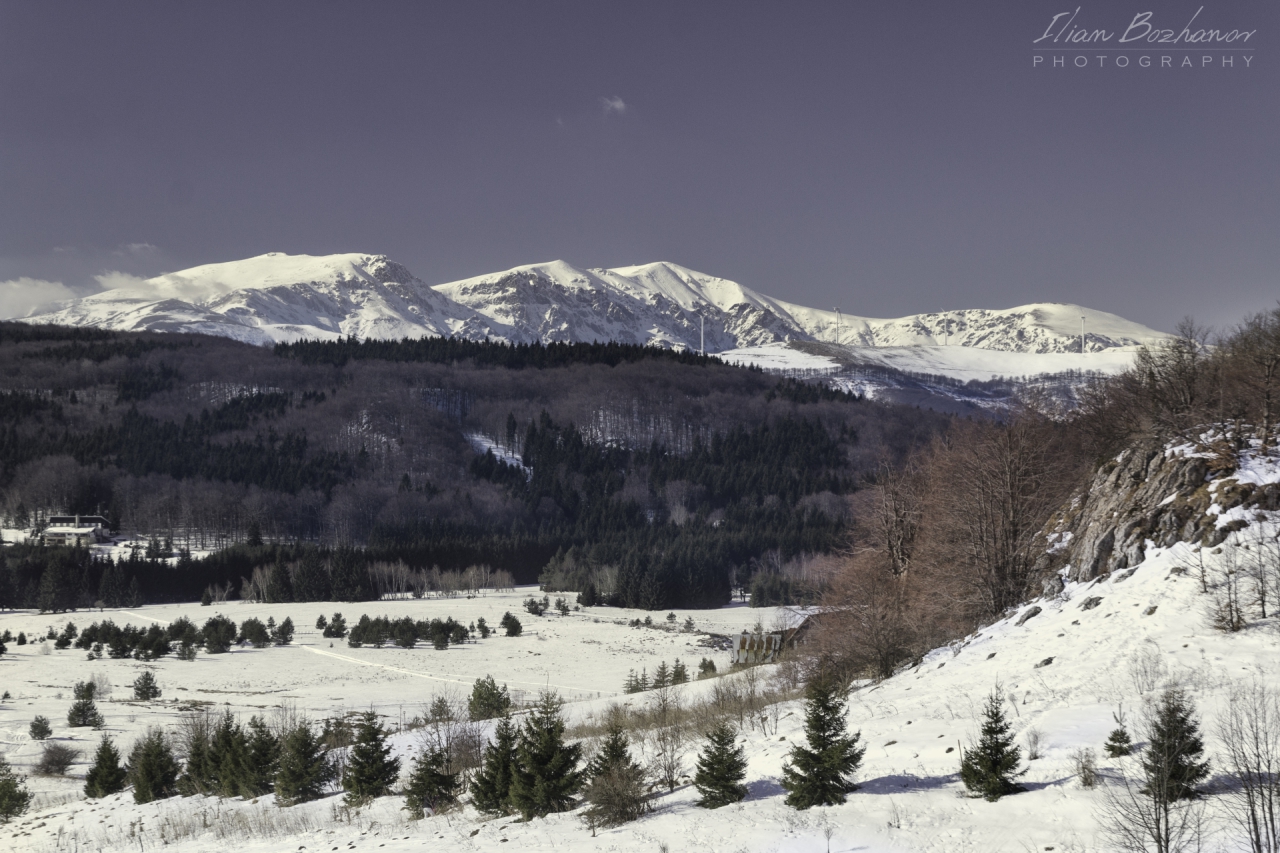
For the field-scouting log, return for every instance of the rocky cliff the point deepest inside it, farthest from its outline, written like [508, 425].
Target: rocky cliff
[1156, 497]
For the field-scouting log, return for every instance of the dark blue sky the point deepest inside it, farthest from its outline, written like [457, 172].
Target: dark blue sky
[886, 157]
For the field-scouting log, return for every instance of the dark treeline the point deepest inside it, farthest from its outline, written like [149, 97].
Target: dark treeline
[666, 474]
[486, 353]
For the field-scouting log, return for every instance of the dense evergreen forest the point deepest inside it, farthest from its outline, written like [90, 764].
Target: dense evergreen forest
[637, 475]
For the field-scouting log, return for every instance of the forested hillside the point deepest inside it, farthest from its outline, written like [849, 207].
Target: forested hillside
[663, 473]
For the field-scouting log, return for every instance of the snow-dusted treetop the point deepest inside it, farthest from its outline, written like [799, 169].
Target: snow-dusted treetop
[279, 297]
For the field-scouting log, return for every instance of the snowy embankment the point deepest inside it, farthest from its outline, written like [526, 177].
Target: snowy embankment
[1062, 672]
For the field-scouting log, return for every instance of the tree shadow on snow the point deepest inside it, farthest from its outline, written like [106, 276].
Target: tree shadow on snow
[762, 788]
[898, 782]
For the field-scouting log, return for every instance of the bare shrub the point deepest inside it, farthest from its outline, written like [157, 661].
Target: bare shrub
[56, 758]
[1250, 736]
[668, 746]
[1147, 669]
[1225, 610]
[1084, 762]
[101, 685]
[1035, 743]
[446, 726]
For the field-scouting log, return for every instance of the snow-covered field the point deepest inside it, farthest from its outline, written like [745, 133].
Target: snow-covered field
[1063, 672]
[957, 362]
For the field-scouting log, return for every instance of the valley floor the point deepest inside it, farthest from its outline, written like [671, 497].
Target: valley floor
[1063, 672]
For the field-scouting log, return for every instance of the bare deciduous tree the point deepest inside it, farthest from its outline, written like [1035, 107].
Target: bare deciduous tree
[1250, 735]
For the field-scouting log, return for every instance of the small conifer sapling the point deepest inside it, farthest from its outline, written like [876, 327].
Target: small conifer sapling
[430, 785]
[989, 767]
[491, 789]
[721, 769]
[106, 776]
[821, 772]
[371, 771]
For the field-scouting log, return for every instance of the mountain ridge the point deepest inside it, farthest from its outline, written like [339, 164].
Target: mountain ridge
[277, 297]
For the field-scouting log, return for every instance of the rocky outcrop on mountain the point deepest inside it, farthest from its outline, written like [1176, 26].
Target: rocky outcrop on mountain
[1158, 496]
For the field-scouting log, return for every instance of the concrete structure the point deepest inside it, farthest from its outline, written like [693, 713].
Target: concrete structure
[75, 530]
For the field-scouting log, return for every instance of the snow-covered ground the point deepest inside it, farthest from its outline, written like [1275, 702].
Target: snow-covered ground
[1062, 672]
[957, 362]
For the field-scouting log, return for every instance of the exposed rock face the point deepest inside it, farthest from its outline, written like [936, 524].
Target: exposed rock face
[1145, 497]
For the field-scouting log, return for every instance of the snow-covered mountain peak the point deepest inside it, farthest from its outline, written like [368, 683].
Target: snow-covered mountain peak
[274, 269]
[277, 296]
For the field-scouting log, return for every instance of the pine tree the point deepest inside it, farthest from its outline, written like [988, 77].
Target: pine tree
[336, 629]
[304, 767]
[145, 687]
[491, 789]
[488, 700]
[40, 728]
[349, 577]
[262, 758]
[252, 631]
[615, 793]
[989, 768]
[201, 773]
[310, 580]
[430, 787]
[218, 634]
[106, 776]
[14, 796]
[511, 625]
[614, 752]
[661, 676]
[822, 773]
[721, 768]
[279, 589]
[283, 634]
[1118, 744]
[547, 775]
[371, 771]
[84, 713]
[679, 673]
[56, 592]
[1171, 763]
[152, 770]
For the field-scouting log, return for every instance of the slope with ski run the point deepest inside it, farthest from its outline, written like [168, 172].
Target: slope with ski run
[1063, 671]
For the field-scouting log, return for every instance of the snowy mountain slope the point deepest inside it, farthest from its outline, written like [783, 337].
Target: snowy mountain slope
[277, 297]
[1036, 328]
[1062, 666]
[963, 363]
[955, 379]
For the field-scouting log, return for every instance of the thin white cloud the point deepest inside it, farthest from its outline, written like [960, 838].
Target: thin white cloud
[613, 105]
[136, 249]
[115, 280]
[20, 297]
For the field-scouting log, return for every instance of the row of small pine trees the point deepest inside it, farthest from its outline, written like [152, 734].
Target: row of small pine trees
[1171, 762]
[153, 642]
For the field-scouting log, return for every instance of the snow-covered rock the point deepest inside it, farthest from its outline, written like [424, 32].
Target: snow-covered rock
[1158, 497]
